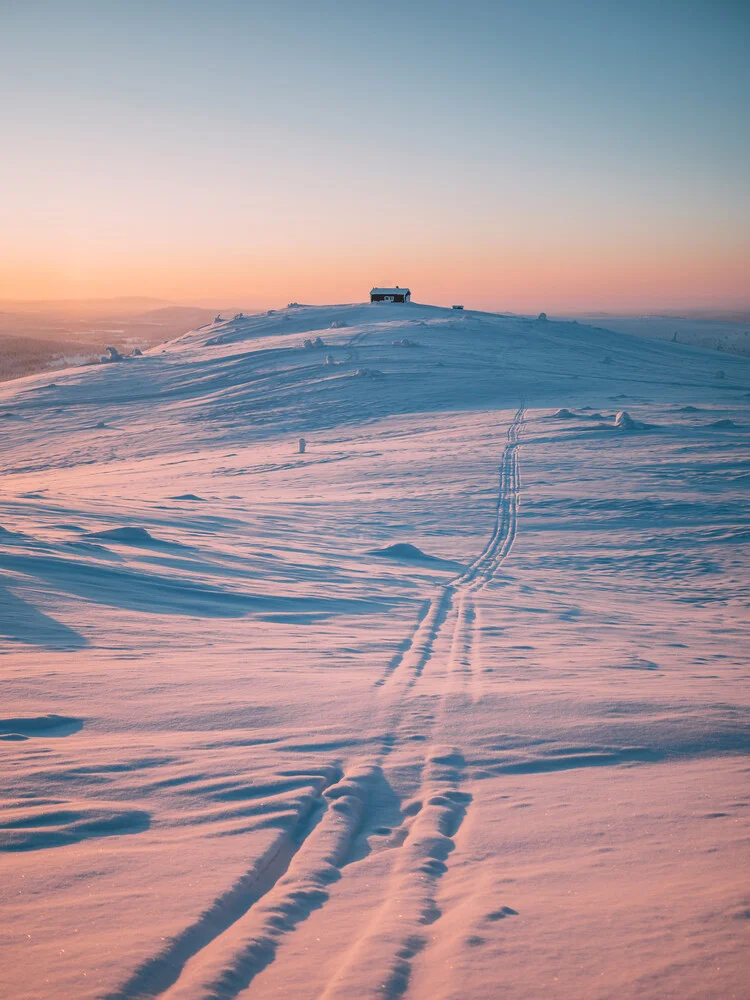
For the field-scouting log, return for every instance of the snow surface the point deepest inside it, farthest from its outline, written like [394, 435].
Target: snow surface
[253, 750]
[731, 335]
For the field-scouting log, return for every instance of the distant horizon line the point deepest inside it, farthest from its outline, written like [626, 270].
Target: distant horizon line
[673, 311]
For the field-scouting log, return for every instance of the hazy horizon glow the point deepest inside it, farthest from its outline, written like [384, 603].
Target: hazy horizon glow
[577, 156]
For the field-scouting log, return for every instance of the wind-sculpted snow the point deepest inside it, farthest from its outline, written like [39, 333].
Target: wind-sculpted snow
[41, 725]
[33, 830]
[452, 704]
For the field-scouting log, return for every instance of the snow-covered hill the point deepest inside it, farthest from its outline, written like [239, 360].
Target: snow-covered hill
[451, 705]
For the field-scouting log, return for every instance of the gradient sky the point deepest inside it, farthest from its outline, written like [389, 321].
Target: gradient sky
[546, 154]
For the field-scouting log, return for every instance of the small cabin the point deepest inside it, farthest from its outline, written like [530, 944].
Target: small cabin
[390, 295]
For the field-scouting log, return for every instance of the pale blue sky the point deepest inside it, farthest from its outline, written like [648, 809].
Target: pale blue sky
[258, 135]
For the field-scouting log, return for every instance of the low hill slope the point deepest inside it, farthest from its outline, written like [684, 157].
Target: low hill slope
[251, 378]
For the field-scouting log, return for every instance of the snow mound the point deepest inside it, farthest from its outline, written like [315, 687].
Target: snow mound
[135, 536]
[634, 664]
[368, 373]
[403, 550]
[624, 422]
[40, 725]
[726, 422]
[562, 414]
[188, 496]
[6, 534]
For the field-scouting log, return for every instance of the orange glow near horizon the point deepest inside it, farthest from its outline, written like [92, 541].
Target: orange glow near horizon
[599, 163]
[522, 279]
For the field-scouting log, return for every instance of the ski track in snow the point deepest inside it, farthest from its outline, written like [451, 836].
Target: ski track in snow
[316, 820]
[425, 852]
[219, 956]
[405, 669]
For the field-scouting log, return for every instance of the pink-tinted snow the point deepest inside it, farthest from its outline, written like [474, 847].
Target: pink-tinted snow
[452, 705]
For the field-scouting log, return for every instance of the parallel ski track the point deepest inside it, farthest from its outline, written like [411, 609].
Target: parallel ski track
[218, 956]
[406, 668]
[379, 964]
